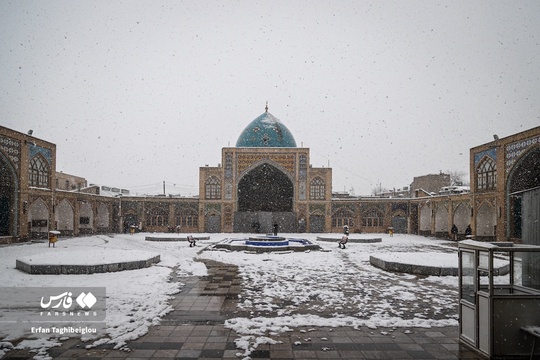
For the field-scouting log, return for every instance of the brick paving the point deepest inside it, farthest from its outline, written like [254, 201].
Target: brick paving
[195, 330]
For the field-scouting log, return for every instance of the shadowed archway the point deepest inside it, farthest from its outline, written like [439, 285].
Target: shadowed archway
[265, 188]
[8, 199]
[523, 191]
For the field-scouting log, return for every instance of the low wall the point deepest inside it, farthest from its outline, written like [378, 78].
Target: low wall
[175, 238]
[38, 269]
[351, 240]
[412, 269]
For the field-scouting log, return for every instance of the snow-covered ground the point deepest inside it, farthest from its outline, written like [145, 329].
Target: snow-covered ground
[333, 287]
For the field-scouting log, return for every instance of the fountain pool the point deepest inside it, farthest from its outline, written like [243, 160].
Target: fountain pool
[266, 243]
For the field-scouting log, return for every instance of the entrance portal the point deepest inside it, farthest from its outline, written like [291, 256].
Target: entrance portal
[524, 199]
[8, 208]
[265, 197]
[265, 188]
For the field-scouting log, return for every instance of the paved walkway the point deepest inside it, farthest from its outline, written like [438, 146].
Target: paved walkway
[195, 330]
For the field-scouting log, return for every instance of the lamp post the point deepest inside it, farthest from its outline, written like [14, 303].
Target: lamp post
[121, 225]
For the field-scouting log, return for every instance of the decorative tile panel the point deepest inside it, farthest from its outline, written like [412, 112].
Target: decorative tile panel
[12, 149]
[317, 207]
[516, 149]
[228, 166]
[35, 149]
[492, 153]
[302, 190]
[209, 207]
[244, 161]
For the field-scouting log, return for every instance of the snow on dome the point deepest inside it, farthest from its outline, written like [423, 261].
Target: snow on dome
[266, 131]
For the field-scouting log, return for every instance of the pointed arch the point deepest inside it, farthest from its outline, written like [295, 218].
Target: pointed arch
[485, 221]
[425, 218]
[317, 189]
[212, 188]
[462, 217]
[212, 223]
[372, 217]
[86, 218]
[64, 216]
[316, 222]
[9, 197]
[523, 182]
[38, 216]
[39, 172]
[157, 216]
[265, 188]
[486, 174]
[343, 216]
[187, 217]
[441, 219]
[102, 217]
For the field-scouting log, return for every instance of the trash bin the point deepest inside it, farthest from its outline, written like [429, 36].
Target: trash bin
[132, 229]
[53, 237]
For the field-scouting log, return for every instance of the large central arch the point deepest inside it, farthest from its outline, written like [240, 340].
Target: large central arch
[265, 188]
[8, 198]
[265, 197]
[523, 194]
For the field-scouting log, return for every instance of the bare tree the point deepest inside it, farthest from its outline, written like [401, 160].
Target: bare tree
[458, 177]
[378, 189]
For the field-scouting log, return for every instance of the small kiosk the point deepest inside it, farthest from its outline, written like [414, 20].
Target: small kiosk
[499, 298]
[53, 237]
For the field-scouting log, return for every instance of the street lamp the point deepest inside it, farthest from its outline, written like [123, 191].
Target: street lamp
[120, 225]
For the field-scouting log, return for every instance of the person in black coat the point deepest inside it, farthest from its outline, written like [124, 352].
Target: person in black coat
[276, 228]
[468, 231]
[454, 232]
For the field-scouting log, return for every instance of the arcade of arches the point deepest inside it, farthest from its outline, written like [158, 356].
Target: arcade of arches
[265, 180]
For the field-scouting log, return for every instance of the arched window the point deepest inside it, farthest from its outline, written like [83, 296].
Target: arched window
[343, 217]
[157, 217]
[372, 218]
[486, 175]
[187, 217]
[213, 188]
[317, 189]
[39, 172]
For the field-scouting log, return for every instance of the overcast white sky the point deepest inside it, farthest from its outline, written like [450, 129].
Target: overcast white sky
[139, 92]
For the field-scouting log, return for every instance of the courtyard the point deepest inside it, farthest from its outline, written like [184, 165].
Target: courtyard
[201, 302]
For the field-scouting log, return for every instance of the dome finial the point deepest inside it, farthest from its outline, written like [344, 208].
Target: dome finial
[266, 107]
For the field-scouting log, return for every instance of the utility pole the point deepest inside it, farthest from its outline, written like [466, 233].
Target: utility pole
[163, 187]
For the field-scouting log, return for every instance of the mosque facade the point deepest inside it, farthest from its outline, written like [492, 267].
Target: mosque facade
[267, 180]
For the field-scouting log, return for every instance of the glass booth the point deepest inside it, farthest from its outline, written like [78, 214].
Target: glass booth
[499, 297]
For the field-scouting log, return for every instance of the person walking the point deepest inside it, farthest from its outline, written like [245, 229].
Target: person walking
[276, 228]
[191, 240]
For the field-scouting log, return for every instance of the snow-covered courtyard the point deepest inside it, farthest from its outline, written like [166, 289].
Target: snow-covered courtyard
[333, 287]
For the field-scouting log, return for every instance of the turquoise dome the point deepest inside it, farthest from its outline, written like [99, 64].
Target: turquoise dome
[266, 131]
